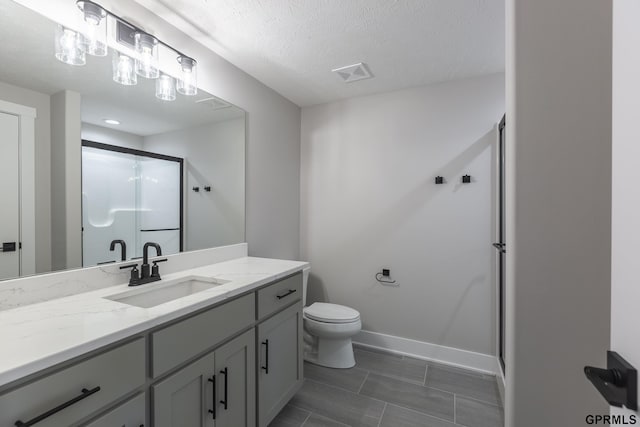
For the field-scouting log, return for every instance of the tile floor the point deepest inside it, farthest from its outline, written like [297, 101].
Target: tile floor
[387, 390]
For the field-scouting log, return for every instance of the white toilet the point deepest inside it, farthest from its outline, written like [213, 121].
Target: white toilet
[328, 329]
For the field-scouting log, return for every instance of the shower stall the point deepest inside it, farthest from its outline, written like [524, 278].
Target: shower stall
[130, 195]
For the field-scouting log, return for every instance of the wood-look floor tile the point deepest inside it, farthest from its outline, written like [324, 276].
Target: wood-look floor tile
[473, 413]
[414, 396]
[290, 416]
[338, 404]
[349, 379]
[474, 385]
[395, 416]
[316, 420]
[385, 364]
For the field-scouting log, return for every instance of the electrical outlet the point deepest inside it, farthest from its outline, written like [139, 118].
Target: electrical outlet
[386, 272]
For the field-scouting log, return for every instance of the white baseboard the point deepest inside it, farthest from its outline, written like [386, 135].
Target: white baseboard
[423, 350]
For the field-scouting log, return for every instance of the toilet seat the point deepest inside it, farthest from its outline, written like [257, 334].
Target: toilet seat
[331, 313]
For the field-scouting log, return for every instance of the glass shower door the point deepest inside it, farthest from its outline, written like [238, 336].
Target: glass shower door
[129, 195]
[160, 193]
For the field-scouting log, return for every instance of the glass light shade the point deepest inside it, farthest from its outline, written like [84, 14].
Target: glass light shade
[147, 60]
[188, 81]
[69, 46]
[94, 28]
[166, 88]
[124, 69]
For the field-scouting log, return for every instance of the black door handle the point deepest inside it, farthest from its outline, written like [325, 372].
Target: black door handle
[265, 368]
[85, 393]
[8, 247]
[213, 411]
[225, 402]
[618, 384]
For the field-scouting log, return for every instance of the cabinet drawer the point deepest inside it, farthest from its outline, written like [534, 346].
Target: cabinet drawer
[105, 378]
[188, 338]
[129, 414]
[279, 295]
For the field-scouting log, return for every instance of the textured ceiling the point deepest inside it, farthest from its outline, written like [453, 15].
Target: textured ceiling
[292, 45]
[29, 62]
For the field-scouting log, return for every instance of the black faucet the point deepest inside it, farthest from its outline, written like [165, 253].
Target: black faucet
[123, 245]
[145, 275]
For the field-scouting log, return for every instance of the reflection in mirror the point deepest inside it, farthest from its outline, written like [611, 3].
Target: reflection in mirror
[129, 197]
[90, 164]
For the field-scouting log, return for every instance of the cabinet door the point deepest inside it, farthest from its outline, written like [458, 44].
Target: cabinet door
[279, 361]
[129, 414]
[236, 382]
[185, 398]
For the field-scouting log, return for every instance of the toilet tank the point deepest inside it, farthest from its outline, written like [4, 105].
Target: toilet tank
[305, 279]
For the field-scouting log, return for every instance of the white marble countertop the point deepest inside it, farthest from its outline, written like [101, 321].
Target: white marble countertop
[38, 336]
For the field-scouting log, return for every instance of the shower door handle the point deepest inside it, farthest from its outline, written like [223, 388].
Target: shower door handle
[500, 247]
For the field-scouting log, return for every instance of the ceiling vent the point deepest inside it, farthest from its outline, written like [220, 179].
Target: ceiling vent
[353, 73]
[214, 103]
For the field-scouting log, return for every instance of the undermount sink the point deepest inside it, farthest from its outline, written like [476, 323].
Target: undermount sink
[157, 293]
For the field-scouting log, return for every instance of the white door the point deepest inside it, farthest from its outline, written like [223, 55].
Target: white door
[9, 196]
[625, 245]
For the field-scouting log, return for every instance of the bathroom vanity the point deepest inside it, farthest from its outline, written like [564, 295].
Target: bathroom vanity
[229, 354]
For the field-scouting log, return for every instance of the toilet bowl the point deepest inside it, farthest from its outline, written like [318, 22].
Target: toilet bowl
[328, 329]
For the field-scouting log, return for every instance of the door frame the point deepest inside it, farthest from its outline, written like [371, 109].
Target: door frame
[26, 185]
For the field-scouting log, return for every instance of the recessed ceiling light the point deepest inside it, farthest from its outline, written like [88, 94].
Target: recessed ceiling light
[111, 122]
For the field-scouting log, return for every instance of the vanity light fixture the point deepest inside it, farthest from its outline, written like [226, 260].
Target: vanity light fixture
[72, 47]
[166, 88]
[147, 61]
[69, 46]
[187, 85]
[111, 122]
[124, 69]
[95, 28]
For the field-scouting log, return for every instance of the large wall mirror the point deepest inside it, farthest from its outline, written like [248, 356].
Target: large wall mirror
[91, 167]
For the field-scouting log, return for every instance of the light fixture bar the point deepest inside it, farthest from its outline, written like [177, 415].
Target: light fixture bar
[136, 28]
[72, 46]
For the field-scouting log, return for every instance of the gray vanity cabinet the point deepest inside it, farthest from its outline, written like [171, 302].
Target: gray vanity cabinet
[279, 361]
[236, 382]
[215, 390]
[65, 397]
[129, 414]
[235, 364]
[184, 399]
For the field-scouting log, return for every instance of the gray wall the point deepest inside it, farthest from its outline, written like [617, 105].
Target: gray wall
[214, 156]
[41, 103]
[559, 211]
[66, 181]
[109, 136]
[369, 201]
